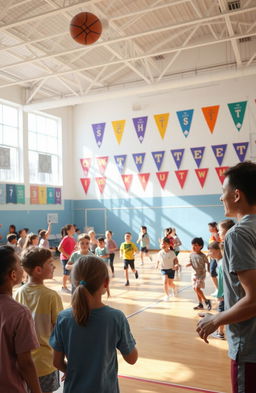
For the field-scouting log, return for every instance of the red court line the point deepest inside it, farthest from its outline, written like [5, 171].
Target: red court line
[191, 388]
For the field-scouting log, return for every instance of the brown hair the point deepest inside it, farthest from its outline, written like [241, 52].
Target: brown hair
[88, 274]
[83, 236]
[214, 246]
[227, 224]
[34, 256]
[29, 240]
[42, 233]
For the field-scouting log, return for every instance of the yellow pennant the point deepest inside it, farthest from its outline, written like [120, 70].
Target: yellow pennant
[162, 122]
[42, 195]
[118, 127]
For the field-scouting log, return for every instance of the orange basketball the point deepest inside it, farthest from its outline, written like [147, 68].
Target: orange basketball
[85, 28]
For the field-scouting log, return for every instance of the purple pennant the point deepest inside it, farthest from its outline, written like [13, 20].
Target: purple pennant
[158, 158]
[177, 156]
[120, 162]
[219, 152]
[197, 153]
[98, 130]
[140, 124]
[57, 194]
[139, 159]
[241, 150]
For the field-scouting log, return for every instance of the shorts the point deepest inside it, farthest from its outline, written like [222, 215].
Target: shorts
[144, 249]
[243, 377]
[213, 268]
[128, 262]
[170, 273]
[50, 382]
[65, 271]
[221, 306]
[198, 282]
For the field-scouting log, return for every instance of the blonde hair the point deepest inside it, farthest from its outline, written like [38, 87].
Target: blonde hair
[88, 274]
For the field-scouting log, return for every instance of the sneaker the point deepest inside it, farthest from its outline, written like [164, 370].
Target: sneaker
[218, 335]
[136, 274]
[199, 307]
[208, 304]
[142, 263]
[65, 290]
[166, 298]
[127, 283]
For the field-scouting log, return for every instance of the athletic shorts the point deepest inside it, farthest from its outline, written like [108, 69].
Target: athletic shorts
[65, 271]
[243, 377]
[198, 282]
[213, 268]
[170, 273]
[144, 249]
[50, 382]
[128, 262]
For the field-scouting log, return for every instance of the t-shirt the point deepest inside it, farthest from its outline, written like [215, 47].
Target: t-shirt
[91, 349]
[45, 305]
[17, 335]
[68, 243]
[127, 250]
[144, 240]
[166, 259]
[198, 262]
[111, 245]
[76, 255]
[44, 243]
[240, 255]
[100, 252]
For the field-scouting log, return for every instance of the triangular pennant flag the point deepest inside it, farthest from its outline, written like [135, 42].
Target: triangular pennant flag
[127, 179]
[101, 181]
[118, 127]
[181, 176]
[158, 158]
[98, 130]
[241, 150]
[139, 159]
[220, 172]
[162, 178]
[161, 122]
[201, 175]
[237, 110]
[86, 165]
[85, 183]
[197, 153]
[144, 179]
[140, 124]
[177, 156]
[102, 163]
[185, 119]
[120, 162]
[210, 115]
[219, 152]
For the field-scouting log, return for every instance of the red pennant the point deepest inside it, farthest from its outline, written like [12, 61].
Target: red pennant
[181, 176]
[102, 163]
[220, 172]
[101, 181]
[127, 179]
[201, 175]
[144, 179]
[162, 177]
[85, 183]
[86, 164]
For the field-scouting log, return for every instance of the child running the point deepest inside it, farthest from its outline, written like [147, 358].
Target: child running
[168, 263]
[66, 248]
[144, 241]
[198, 260]
[93, 241]
[101, 251]
[44, 304]
[88, 334]
[112, 247]
[17, 334]
[127, 252]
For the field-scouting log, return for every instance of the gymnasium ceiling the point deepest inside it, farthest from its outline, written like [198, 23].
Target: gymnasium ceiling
[147, 46]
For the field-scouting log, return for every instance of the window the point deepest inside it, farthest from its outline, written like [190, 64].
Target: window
[11, 167]
[45, 151]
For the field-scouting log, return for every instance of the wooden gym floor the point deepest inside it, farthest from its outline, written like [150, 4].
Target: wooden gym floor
[172, 358]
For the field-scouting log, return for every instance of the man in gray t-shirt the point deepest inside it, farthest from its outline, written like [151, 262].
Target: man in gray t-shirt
[239, 277]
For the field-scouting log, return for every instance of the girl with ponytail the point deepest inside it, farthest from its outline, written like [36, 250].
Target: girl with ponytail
[86, 336]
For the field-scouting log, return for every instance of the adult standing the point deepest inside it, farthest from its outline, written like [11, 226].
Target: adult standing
[239, 276]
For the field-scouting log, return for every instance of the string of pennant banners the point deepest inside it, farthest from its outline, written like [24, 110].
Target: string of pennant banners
[219, 152]
[185, 117]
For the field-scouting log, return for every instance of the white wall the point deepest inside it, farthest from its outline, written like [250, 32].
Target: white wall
[221, 93]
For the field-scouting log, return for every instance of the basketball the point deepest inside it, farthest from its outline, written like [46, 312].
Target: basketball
[85, 28]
